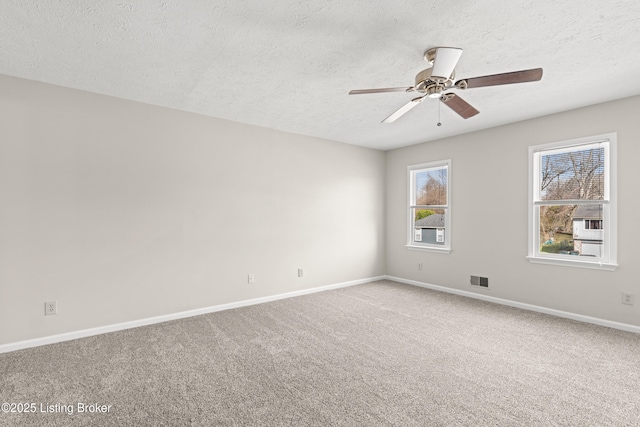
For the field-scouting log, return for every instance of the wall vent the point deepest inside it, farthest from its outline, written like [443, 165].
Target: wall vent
[482, 282]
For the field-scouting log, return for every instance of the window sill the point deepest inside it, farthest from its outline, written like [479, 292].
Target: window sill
[573, 263]
[428, 249]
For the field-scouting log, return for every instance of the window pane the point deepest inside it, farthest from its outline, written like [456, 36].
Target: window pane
[431, 187]
[574, 174]
[571, 230]
[429, 226]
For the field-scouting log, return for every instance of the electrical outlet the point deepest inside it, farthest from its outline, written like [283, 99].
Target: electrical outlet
[50, 307]
[251, 278]
[419, 266]
[300, 272]
[628, 299]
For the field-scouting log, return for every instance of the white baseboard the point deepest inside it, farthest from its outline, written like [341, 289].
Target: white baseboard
[565, 314]
[36, 342]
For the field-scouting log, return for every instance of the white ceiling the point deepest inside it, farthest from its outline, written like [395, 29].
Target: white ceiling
[289, 64]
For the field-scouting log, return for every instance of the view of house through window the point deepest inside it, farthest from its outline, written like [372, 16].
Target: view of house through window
[429, 205]
[571, 229]
[569, 175]
[571, 201]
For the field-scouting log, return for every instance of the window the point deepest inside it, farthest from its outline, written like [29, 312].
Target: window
[572, 203]
[430, 206]
[592, 224]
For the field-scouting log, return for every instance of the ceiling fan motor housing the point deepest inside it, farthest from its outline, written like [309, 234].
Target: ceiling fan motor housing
[431, 88]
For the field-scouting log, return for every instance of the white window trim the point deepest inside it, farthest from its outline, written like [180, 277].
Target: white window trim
[446, 248]
[610, 212]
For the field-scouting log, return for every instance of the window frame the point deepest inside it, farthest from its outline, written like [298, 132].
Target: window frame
[412, 170]
[609, 203]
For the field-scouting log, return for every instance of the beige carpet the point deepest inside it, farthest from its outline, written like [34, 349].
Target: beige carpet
[379, 354]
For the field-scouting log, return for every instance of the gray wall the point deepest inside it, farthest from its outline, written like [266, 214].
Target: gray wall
[489, 218]
[123, 211]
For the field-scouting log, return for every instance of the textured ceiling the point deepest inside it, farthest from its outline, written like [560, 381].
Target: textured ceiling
[289, 64]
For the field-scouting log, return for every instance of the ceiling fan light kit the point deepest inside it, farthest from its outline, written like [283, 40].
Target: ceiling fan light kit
[434, 82]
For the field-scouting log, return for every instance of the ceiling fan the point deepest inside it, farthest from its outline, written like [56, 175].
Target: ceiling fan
[434, 82]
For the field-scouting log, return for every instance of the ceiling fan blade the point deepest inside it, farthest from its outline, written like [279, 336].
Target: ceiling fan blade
[382, 90]
[402, 110]
[459, 105]
[444, 62]
[523, 76]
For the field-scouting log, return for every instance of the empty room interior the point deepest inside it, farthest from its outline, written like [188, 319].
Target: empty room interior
[417, 213]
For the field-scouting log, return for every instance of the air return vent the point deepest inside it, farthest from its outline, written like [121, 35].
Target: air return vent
[482, 282]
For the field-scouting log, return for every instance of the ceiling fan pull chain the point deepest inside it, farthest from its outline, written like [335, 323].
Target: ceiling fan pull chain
[439, 124]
